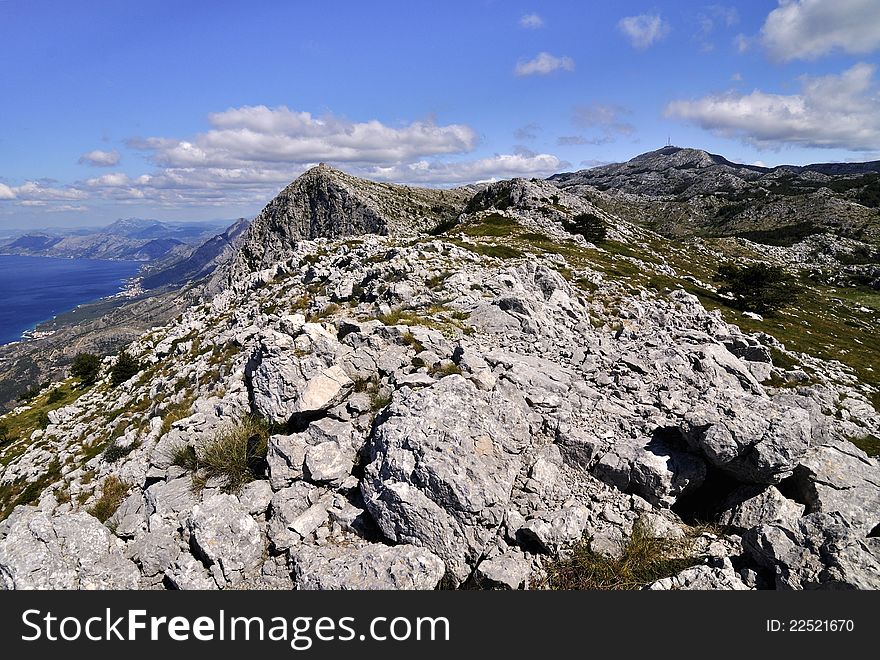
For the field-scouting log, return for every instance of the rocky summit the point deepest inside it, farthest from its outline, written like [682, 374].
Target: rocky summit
[525, 384]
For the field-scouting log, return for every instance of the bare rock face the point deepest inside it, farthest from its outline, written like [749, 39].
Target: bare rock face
[226, 537]
[750, 506]
[821, 551]
[443, 462]
[453, 408]
[372, 566]
[74, 551]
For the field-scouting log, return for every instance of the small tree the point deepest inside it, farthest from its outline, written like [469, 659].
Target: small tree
[587, 225]
[4, 432]
[124, 368]
[85, 366]
[757, 287]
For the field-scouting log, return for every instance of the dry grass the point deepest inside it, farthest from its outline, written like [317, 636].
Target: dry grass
[645, 559]
[112, 494]
[232, 456]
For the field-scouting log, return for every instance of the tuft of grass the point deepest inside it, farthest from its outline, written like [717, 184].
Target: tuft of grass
[185, 457]
[409, 339]
[645, 559]
[112, 494]
[115, 451]
[176, 412]
[378, 399]
[233, 456]
[444, 370]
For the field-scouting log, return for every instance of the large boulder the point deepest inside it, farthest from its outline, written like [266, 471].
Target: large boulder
[820, 552]
[70, 551]
[838, 476]
[749, 506]
[443, 462]
[224, 535]
[371, 566]
[285, 384]
[752, 438]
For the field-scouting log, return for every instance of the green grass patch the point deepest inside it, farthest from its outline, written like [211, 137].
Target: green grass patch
[645, 559]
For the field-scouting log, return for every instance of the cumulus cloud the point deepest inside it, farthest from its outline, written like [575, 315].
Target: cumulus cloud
[500, 166]
[834, 111]
[531, 22]
[98, 158]
[257, 134]
[644, 30]
[543, 64]
[248, 153]
[808, 29]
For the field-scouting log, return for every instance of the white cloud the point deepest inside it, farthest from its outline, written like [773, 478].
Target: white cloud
[834, 111]
[36, 191]
[543, 64]
[742, 43]
[500, 166]
[577, 140]
[759, 163]
[243, 136]
[644, 30]
[111, 180]
[531, 22]
[98, 158]
[808, 29]
[736, 77]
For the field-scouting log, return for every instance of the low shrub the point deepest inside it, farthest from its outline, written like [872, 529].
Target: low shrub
[236, 456]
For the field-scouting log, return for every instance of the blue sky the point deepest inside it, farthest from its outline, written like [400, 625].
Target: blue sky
[196, 109]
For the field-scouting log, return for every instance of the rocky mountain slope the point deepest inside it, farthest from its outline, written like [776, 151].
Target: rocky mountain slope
[388, 387]
[682, 192]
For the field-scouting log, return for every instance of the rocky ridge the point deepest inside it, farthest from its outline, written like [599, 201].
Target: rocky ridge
[454, 409]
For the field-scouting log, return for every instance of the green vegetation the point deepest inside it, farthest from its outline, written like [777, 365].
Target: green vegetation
[115, 451]
[85, 367]
[112, 494]
[645, 559]
[20, 491]
[175, 412]
[55, 395]
[588, 225]
[234, 455]
[124, 368]
[444, 370]
[759, 287]
[870, 444]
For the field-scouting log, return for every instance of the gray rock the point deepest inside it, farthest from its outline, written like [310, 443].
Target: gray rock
[224, 533]
[839, 476]
[701, 578]
[752, 438]
[69, 551]
[821, 552]
[553, 530]
[329, 462]
[749, 506]
[255, 497]
[371, 566]
[443, 464]
[651, 468]
[507, 571]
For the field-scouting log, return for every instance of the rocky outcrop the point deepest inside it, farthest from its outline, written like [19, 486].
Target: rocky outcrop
[454, 410]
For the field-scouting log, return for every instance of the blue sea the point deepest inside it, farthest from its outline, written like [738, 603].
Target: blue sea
[35, 289]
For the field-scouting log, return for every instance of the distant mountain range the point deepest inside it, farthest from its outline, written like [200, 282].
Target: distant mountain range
[130, 239]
